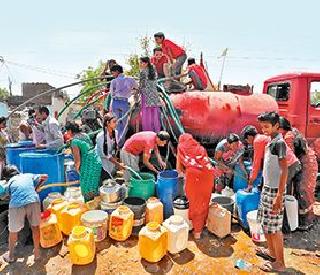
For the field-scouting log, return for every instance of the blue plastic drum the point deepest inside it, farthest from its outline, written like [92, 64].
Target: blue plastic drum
[167, 190]
[44, 163]
[240, 180]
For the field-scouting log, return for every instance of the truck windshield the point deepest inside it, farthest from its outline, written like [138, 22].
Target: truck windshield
[280, 91]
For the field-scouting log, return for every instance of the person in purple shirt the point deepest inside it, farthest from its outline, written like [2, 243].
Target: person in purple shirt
[121, 89]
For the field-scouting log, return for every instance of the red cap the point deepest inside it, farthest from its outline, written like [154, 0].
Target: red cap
[45, 214]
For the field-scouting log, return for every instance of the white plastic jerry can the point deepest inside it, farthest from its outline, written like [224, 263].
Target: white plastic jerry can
[178, 232]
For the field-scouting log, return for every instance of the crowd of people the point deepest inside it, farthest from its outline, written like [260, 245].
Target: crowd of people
[281, 156]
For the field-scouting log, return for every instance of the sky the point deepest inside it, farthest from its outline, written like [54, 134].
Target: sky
[42, 41]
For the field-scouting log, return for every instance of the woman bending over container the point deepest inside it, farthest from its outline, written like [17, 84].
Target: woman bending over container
[106, 147]
[193, 161]
[150, 99]
[86, 161]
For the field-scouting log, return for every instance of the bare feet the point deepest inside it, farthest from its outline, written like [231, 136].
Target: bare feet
[273, 267]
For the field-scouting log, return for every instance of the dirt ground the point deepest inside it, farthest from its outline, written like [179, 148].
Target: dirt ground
[207, 256]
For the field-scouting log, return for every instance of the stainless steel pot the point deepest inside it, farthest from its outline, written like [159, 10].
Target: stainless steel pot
[111, 192]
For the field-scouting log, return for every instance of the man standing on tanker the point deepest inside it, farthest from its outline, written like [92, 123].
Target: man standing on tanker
[176, 54]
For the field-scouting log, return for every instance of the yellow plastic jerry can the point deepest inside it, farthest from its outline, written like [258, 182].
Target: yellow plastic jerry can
[81, 245]
[56, 208]
[70, 217]
[50, 234]
[154, 211]
[121, 223]
[153, 242]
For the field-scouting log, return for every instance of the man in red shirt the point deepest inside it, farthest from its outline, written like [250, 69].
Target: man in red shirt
[160, 61]
[198, 77]
[143, 143]
[177, 55]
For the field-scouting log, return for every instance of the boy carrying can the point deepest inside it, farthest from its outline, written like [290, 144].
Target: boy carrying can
[270, 213]
[24, 202]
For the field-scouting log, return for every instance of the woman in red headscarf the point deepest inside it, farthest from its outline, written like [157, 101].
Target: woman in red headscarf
[193, 161]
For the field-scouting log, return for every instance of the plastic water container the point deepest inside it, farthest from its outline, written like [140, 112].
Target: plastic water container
[181, 208]
[73, 194]
[138, 207]
[219, 220]
[97, 220]
[246, 202]
[292, 209]
[240, 180]
[121, 223]
[178, 233]
[43, 163]
[154, 211]
[81, 245]
[50, 198]
[70, 217]
[50, 234]
[255, 227]
[225, 201]
[167, 189]
[71, 173]
[56, 207]
[144, 188]
[153, 242]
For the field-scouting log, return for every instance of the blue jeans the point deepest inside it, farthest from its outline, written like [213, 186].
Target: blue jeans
[119, 108]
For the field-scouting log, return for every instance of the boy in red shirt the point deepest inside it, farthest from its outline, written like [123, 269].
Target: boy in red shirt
[143, 143]
[160, 61]
[173, 51]
[197, 74]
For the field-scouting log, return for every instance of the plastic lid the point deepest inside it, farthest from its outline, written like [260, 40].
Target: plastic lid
[94, 216]
[57, 201]
[79, 231]
[45, 214]
[153, 199]
[177, 220]
[153, 226]
[73, 205]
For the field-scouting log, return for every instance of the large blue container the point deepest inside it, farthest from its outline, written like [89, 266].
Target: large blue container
[167, 190]
[246, 202]
[240, 179]
[13, 150]
[44, 163]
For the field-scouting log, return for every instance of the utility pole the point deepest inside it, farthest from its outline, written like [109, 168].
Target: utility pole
[224, 55]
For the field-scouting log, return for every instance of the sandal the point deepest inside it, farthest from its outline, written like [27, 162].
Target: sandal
[7, 259]
[264, 253]
[271, 267]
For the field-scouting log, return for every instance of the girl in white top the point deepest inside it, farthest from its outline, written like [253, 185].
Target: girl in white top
[106, 147]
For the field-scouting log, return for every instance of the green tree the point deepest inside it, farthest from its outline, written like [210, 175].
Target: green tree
[91, 73]
[133, 60]
[4, 94]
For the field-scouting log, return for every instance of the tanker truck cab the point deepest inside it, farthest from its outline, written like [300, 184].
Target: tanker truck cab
[298, 98]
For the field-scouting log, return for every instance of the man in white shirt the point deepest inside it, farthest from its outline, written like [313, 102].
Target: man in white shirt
[52, 132]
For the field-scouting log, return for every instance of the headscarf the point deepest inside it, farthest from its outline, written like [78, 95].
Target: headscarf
[192, 154]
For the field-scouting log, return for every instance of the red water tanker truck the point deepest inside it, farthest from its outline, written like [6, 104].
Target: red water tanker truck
[211, 115]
